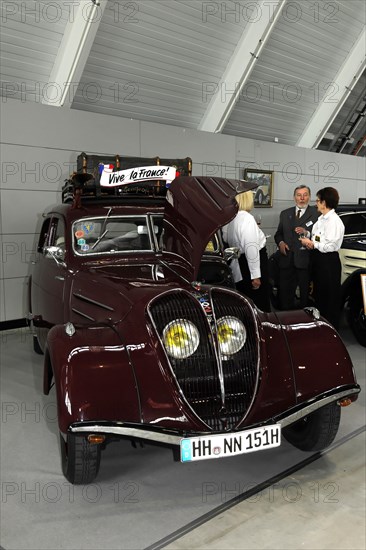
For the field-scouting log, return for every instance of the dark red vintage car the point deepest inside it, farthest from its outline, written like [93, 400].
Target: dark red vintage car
[144, 337]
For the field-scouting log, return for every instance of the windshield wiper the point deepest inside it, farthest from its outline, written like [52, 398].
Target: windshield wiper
[99, 238]
[103, 230]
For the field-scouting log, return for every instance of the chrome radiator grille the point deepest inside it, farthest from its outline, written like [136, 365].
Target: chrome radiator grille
[219, 390]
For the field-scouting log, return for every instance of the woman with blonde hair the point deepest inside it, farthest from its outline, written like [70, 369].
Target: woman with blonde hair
[250, 272]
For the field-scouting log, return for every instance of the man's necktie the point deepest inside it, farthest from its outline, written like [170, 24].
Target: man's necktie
[298, 213]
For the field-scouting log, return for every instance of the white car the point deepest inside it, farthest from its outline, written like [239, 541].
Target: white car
[353, 258]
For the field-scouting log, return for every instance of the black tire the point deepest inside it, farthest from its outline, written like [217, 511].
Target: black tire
[316, 431]
[357, 317]
[36, 347]
[80, 459]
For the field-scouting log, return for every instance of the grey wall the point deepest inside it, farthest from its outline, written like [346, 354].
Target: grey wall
[39, 146]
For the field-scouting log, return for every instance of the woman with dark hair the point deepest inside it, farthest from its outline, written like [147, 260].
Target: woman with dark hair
[325, 241]
[250, 272]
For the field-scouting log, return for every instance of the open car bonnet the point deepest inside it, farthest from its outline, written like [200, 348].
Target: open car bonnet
[195, 208]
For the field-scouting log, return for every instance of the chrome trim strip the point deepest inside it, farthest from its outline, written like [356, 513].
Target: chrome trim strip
[119, 428]
[86, 299]
[315, 405]
[82, 314]
[123, 430]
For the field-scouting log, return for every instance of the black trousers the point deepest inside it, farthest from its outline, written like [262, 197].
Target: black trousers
[290, 278]
[260, 296]
[326, 271]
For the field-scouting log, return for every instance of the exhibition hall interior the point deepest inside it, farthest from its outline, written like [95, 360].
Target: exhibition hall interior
[183, 274]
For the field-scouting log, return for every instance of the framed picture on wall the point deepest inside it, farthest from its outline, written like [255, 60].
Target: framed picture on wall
[263, 195]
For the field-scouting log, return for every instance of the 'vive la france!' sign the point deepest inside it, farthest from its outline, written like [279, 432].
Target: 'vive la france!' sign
[109, 178]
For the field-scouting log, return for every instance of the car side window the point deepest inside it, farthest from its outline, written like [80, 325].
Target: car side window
[59, 233]
[158, 231]
[44, 235]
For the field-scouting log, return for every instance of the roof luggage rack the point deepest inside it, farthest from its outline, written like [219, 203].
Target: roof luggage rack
[85, 183]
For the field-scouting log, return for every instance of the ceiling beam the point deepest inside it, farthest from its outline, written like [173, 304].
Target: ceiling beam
[354, 110]
[226, 93]
[73, 52]
[345, 81]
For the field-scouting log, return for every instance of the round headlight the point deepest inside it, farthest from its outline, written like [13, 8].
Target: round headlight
[181, 338]
[231, 335]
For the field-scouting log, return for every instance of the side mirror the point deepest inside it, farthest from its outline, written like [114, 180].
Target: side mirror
[55, 252]
[232, 253]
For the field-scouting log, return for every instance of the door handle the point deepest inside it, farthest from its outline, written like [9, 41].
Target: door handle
[59, 278]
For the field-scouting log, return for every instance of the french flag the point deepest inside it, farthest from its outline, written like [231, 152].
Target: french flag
[106, 168]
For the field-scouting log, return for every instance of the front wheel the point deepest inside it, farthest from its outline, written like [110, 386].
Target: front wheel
[316, 431]
[80, 459]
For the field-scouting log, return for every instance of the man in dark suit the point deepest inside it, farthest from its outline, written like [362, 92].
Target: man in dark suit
[294, 260]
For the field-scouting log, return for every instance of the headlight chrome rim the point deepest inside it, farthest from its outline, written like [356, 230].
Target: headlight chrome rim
[181, 338]
[231, 335]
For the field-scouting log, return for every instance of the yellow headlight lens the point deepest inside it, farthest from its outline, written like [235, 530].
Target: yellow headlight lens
[181, 338]
[231, 335]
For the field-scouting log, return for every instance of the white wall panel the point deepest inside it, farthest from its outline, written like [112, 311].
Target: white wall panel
[2, 301]
[61, 129]
[21, 211]
[15, 298]
[17, 253]
[32, 168]
[203, 147]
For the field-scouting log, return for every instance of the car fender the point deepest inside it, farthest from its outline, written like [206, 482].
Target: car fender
[320, 358]
[93, 376]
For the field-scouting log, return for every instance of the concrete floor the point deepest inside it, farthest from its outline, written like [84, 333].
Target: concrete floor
[280, 498]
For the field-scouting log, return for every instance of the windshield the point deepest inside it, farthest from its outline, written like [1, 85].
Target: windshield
[117, 234]
[111, 234]
[212, 247]
[354, 223]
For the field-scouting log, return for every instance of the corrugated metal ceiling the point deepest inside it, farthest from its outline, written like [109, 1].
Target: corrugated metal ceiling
[295, 71]
[30, 34]
[161, 60]
[151, 63]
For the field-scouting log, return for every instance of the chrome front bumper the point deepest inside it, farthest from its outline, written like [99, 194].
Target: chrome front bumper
[172, 437]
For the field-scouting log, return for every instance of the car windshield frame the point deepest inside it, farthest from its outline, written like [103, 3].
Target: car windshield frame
[106, 240]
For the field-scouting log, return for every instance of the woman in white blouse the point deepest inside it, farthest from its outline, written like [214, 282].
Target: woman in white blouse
[250, 272]
[325, 241]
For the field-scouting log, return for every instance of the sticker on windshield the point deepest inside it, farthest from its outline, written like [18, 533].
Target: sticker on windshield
[79, 234]
[85, 247]
[88, 228]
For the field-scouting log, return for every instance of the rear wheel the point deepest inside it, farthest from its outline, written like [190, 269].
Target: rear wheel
[316, 431]
[80, 459]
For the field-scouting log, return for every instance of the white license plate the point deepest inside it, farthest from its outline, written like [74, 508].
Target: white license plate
[220, 445]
